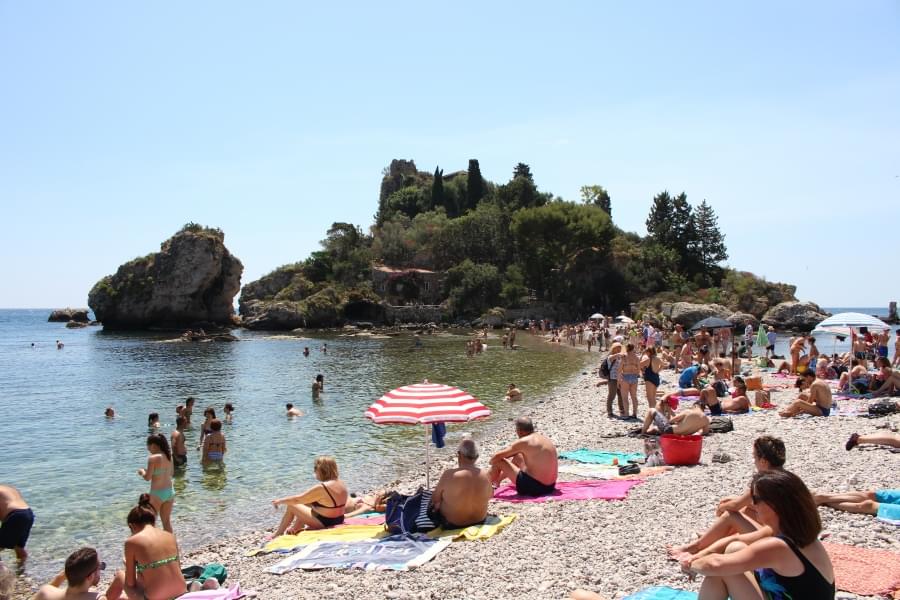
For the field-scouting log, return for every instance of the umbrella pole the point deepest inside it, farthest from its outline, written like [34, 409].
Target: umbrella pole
[427, 458]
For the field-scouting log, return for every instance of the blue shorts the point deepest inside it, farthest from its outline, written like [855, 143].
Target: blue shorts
[889, 512]
[887, 496]
[629, 378]
[825, 411]
[883, 351]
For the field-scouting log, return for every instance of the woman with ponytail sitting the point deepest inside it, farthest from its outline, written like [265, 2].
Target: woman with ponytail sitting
[782, 559]
[152, 567]
[159, 473]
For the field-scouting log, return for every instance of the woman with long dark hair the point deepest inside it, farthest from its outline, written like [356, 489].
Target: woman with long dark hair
[159, 473]
[782, 559]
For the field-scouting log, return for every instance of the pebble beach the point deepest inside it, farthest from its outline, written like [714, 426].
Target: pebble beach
[614, 548]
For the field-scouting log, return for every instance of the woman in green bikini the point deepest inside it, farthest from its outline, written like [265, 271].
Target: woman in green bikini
[159, 473]
[152, 566]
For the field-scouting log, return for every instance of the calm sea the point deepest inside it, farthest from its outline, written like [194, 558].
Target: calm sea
[78, 470]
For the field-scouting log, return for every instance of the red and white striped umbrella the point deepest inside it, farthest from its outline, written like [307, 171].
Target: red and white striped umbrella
[424, 403]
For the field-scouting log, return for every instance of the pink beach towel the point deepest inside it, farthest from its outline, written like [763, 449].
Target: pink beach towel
[574, 490]
[864, 571]
[366, 519]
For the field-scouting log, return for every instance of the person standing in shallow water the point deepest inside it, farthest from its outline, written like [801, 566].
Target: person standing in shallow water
[214, 446]
[179, 447]
[188, 410]
[318, 385]
[159, 473]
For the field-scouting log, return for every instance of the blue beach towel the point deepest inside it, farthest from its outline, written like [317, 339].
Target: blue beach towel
[662, 593]
[601, 457]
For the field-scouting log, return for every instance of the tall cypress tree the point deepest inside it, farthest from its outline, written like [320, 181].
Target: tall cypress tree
[474, 185]
[523, 170]
[437, 188]
[709, 243]
[660, 220]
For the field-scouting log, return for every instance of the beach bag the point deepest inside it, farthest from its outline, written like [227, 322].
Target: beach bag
[721, 388]
[408, 514]
[882, 408]
[721, 425]
[604, 369]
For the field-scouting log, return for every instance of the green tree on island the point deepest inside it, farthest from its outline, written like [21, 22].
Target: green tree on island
[597, 195]
[475, 188]
[437, 189]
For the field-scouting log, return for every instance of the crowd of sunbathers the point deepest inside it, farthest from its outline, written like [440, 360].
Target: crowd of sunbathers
[749, 529]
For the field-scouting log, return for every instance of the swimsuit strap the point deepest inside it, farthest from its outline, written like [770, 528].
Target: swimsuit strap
[333, 501]
[153, 565]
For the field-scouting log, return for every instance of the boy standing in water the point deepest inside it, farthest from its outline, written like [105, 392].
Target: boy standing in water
[179, 448]
[188, 410]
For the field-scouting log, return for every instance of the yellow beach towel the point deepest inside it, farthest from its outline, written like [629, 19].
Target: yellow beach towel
[346, 533]
[491, 526]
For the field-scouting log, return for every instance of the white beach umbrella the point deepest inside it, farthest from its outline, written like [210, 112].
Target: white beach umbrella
[843, 324]
[624, 319]
[596, 316]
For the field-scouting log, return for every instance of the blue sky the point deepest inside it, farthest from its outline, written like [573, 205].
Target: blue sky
[119, 122]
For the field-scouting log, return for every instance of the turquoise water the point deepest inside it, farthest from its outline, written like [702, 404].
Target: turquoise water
[78, 470]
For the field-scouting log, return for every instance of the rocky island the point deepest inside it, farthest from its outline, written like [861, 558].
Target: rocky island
[191, 281]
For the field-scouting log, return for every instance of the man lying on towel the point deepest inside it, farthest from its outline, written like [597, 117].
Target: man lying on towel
[530, 462]
[461, 497]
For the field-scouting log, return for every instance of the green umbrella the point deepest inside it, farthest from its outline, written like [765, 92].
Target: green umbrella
[762, 340]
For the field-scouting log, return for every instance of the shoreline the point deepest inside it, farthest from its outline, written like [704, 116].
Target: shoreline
[553, 548]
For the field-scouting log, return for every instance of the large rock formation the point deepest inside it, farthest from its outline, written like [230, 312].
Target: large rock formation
[192, 279]
[286, 299]
[740, 319]
[64, 315]
[687, 313]
[802, 316]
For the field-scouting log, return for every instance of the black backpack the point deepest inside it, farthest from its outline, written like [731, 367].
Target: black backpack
[721, 425]
[604, 369]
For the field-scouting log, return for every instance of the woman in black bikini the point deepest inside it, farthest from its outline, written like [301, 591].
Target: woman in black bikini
[651, 365]
[320, 506]
[790, 563]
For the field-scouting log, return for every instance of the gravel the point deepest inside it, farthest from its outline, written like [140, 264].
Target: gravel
[613, 548]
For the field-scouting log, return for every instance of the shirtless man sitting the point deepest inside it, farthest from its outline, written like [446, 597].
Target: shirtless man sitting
[16, 520]
[736, 402]
[292, 411]
[531, 462]
[818, 403]
[461, 496]
[81, 573]
[690, 422]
